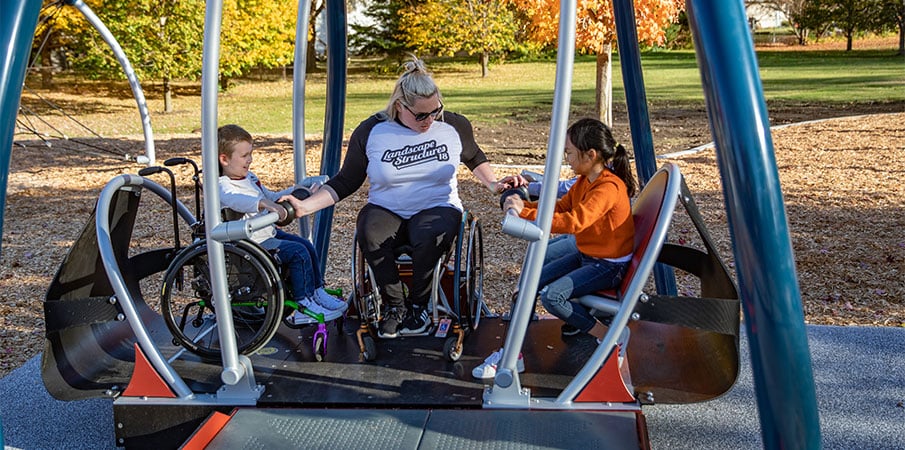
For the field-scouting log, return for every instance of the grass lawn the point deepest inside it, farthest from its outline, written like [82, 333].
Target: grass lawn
[515, 91]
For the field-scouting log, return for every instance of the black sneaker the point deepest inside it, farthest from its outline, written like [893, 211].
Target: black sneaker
[389, 327]
[569, 330]
[417, 322]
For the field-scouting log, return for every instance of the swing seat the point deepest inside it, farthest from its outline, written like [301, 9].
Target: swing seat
[683, 349]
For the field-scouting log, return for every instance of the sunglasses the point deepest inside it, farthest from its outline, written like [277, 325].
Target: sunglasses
[421, 117]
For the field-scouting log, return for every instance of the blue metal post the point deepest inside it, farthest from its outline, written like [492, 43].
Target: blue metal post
[768, 283]
[334, 116]
[17, 29]
[638, 116]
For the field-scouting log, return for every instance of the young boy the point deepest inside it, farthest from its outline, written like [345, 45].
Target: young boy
[241, 191]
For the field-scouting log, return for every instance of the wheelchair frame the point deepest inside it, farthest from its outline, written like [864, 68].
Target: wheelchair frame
[464, 273]
[255, 283]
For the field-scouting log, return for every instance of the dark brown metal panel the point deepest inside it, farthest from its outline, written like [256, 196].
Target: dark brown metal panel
[681, 365]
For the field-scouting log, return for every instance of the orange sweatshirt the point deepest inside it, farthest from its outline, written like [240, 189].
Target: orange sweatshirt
[598, 213]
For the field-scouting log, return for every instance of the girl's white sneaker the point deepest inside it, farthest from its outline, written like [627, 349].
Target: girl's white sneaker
[488, 368]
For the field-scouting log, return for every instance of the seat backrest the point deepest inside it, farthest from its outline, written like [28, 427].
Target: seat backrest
[228, 215]
[648, 212]
[652, 214]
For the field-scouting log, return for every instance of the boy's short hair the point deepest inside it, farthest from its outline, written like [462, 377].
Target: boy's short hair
[230, 135]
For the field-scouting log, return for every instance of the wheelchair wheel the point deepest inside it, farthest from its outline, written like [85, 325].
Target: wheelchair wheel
[256, 299]
[320, 346]
[370, 348]
[474, 275]
[451, 348]
[366, 295]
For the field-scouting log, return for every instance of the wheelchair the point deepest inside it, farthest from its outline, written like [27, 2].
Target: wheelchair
[457, 291]
[259, 299]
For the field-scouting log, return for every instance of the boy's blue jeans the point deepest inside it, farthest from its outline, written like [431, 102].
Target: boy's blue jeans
[298, 257]
[568, 274]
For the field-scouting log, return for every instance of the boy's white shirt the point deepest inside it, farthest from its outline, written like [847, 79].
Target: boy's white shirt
[245, 195]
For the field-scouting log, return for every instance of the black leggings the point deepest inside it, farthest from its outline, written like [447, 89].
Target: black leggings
[430, 233]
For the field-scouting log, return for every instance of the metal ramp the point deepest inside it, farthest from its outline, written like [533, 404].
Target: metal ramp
[427, 429]
[410, 376]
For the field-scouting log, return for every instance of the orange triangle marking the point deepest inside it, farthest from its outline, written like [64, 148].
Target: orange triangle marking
[146, 382]
[607, 384]
[208, 431]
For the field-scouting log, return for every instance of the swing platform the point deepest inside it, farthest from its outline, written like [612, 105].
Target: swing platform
[415, 396]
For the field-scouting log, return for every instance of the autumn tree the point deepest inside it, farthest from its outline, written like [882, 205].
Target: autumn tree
[256, 33]
[852, 16]
[892, 16]
[57, 29]
[384, 36]
[317, 7]
[794, 10]
[815, 16]
[446, 27]
[596, 32]
[161, 39]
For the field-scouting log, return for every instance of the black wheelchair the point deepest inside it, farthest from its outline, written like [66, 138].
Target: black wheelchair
[457, 293]
[255, 285]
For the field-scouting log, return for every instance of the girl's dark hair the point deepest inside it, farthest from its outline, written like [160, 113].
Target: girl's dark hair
[588, 133]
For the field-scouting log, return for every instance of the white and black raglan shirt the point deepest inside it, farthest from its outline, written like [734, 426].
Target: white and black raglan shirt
[408, 171]
[244, 195]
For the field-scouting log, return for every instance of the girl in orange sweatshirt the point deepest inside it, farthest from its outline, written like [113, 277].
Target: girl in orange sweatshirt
[595, 221]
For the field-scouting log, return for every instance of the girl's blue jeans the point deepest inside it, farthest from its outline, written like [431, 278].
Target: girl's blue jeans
[298, 257]
[569, 274]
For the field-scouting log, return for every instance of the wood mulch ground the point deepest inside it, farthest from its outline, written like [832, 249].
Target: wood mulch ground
[841, 180]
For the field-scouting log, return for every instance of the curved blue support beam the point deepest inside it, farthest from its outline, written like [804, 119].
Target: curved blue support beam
[334, 117]
[768, 282]
[17, 29]
[638, 115]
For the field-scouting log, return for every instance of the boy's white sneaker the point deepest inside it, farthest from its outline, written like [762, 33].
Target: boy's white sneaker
[488, 368]
[312, 306]
[328, 301]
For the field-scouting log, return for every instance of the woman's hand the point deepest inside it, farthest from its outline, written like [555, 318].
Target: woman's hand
[509, 182]
[296, 205]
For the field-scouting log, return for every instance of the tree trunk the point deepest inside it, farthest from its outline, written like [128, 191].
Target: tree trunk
[224, 83]
[603, 99]
[167, 96]
[310, 57]
[849, 37]
[902, 39]
[485, 61]
[802, 34]
[46, 66]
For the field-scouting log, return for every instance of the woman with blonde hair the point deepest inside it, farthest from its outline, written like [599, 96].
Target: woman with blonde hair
[410, 153]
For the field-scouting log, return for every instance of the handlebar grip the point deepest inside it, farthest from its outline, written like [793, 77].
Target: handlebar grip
[175, 161]
[521, 191]
[290, 213]
[301, 194]
[150, 170]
